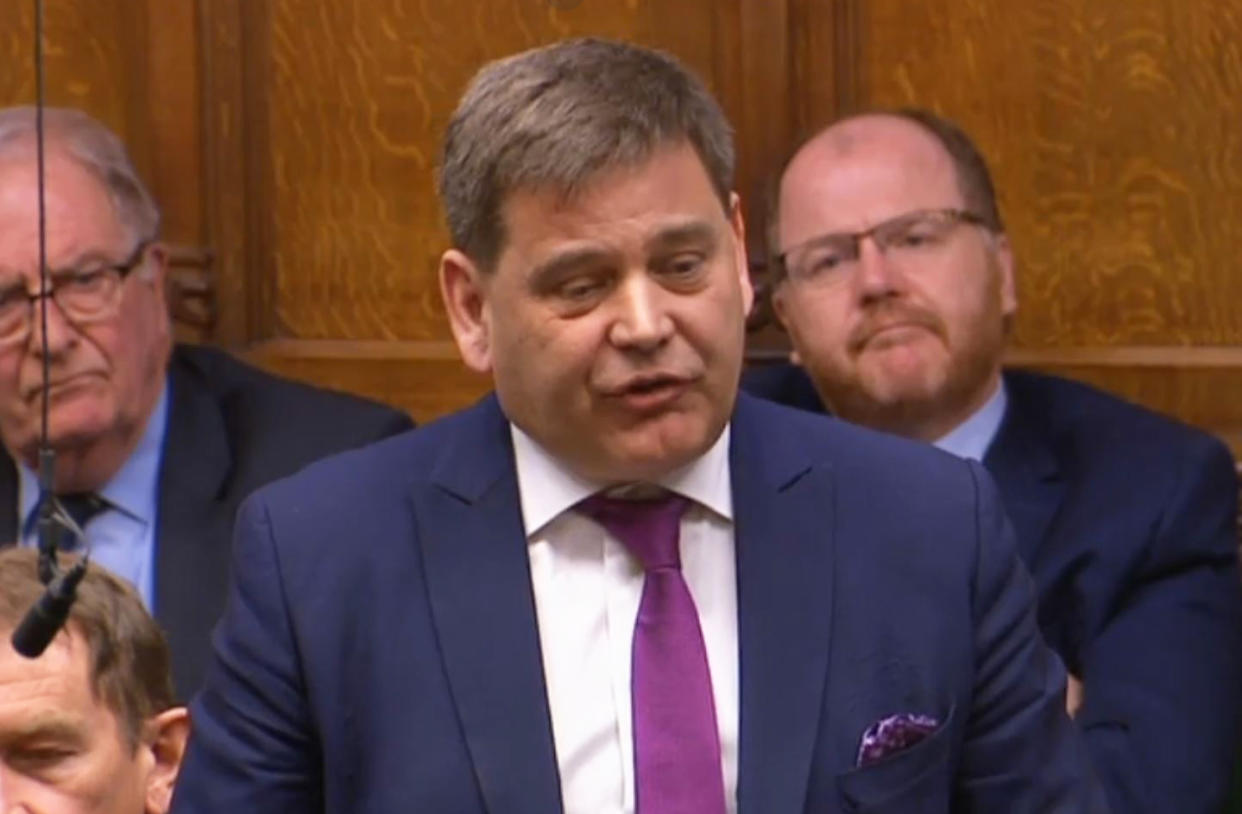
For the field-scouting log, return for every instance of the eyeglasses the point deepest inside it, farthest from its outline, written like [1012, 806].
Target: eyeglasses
[828, 259]
[83, 295]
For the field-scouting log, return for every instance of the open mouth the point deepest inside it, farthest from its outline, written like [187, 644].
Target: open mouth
[652, 385]
[652, 393]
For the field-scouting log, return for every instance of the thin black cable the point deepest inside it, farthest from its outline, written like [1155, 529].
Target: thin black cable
[47, 529]
[47, 617]
[44, 282]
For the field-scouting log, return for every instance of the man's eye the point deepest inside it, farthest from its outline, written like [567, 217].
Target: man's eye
[684, 265]
[13, 298]
[914, 238]
[83, 283]
[580, 289]
[39, 759]
[820, 263]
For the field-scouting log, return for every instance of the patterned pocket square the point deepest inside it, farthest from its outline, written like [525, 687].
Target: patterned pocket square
[888, 736]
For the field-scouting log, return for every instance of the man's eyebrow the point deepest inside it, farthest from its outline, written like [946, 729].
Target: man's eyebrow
[52, 726]
[680, 234]
[695, 231]
[87, 258]
[564, 262]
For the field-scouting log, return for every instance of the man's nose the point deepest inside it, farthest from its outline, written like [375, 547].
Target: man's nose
[60, 333]
[642, 321]
[876, 277]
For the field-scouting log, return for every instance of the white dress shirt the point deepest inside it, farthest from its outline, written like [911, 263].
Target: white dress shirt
[587, 588]
[972, 437]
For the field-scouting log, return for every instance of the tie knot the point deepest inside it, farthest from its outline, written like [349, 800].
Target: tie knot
[82, 506]
[648, 528]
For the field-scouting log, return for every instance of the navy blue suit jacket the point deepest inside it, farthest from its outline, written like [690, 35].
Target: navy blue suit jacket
[231, 429]
[380, 650]
[1127, 520]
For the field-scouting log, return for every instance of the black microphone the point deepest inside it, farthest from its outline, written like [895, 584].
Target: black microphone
[45, 619]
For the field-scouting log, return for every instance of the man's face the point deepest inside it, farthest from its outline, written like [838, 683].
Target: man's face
[104, 375]
[63, 751]
[908, 339]
[614, 321]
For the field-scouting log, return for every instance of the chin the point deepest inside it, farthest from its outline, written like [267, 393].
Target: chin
[659, 450]
[889, 384]
[75, 425]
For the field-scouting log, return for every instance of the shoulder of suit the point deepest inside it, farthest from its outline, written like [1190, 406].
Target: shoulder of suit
[784, 383]
[413, 456]
[1071, 411]
[793, 431]
[233, 381]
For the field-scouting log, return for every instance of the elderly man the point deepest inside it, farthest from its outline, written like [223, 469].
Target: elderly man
[89, 727]
[897, 288]
[614, 585]
[155, 445]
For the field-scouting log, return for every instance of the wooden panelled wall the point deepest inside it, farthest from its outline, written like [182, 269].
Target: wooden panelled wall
[293, 145]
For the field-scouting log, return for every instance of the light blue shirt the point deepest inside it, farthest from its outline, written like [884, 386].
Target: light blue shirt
[121, 538]
[972, 437]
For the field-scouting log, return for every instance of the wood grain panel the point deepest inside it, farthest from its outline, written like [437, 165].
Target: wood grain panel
[1113, 131]
[132, 64]
[86, 62]
[427, 378]
[357, 98]
[322, 126]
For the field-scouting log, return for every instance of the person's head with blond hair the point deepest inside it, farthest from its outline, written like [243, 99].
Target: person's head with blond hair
[91, 725]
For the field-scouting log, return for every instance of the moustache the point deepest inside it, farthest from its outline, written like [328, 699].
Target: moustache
[880, 320]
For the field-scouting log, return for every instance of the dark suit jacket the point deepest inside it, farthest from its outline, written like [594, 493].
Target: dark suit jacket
[231, 429]
[380, 649]
[1127, 521]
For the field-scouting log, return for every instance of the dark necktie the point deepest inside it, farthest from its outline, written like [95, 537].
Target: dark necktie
[676, 741]
[83, 506]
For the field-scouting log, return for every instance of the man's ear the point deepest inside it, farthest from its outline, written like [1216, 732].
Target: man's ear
[165, 736]
[738, 225]
[464, 289]
[154, 268]
[1008, 285]
[779, 293]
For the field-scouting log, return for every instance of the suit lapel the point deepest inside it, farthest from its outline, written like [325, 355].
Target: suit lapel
[1028, 476]
[9, 532]
[191, 524]
[478, 582]
[784, 517]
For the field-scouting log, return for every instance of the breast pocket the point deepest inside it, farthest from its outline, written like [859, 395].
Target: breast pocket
[913, 781]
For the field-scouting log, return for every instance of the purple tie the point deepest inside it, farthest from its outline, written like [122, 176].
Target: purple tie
[676, 742]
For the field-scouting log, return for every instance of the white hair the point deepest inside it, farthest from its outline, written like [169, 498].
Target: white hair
[99, 152]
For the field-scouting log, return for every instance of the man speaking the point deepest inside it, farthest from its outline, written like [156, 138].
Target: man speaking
[615, 585]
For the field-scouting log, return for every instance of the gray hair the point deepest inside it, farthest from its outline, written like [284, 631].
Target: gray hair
[555, 117]
[97, 149]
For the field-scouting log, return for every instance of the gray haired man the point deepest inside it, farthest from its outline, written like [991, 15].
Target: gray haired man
[156, 444]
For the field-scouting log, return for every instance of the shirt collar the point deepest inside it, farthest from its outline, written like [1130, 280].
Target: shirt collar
[547, 487]
[972, 437]
[132, 488]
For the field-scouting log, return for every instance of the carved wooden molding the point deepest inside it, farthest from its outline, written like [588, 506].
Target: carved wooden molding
[1129, 356]
[191, 286]
[358, 349]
